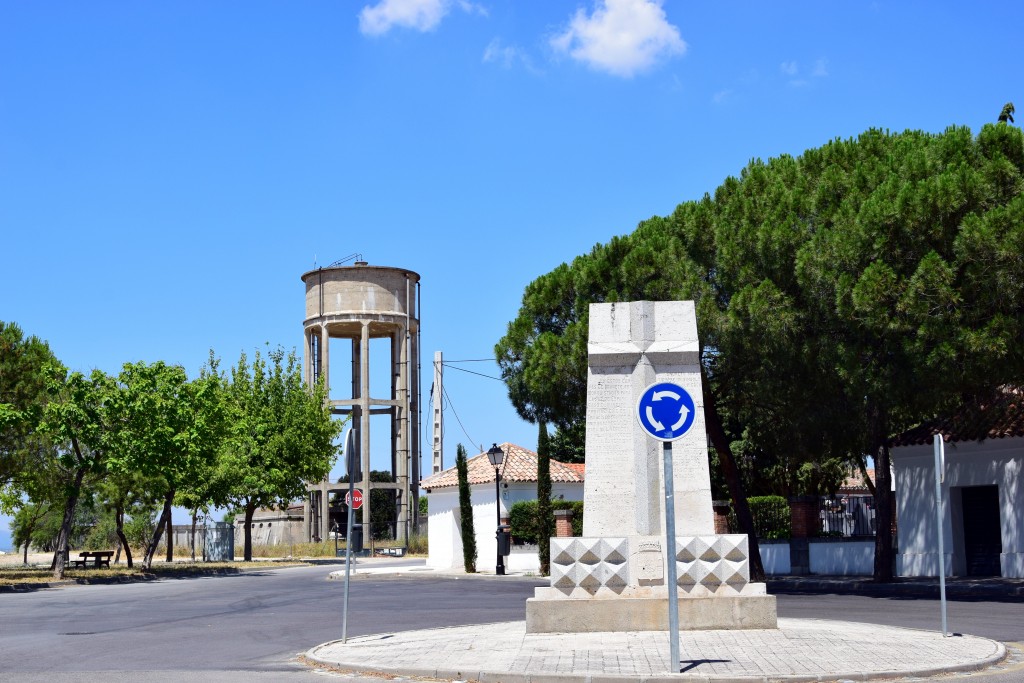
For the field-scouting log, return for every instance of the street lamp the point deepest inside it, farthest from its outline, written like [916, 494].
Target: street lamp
[496, 455]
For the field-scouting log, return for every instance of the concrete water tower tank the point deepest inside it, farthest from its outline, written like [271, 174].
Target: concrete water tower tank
[352, 305]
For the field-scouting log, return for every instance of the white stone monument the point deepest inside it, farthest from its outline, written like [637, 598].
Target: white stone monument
[613, 578]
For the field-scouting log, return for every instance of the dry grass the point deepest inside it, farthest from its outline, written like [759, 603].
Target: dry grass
[417, 546]
[29, 575]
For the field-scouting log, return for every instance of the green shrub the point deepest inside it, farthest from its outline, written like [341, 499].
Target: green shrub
[523, 518]
[771, 517]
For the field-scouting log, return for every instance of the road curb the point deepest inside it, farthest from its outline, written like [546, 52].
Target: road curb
[484, 676]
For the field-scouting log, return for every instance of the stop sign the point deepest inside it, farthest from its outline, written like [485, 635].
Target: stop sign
[355, 499]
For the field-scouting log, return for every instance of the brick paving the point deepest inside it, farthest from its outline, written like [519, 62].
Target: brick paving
[799, 650]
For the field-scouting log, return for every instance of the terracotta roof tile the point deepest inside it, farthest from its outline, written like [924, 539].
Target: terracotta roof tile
[855, 482]
[519, 464]
[577, 467]
[998, 415]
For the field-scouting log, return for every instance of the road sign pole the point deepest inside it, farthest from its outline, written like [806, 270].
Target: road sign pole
[666, 411]
[670, 552]
[940, 461]
[349, 443]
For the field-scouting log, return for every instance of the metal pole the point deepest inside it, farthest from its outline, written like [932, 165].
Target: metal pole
[939, 462]
[499, 568]
[349, 447]
[670, 548]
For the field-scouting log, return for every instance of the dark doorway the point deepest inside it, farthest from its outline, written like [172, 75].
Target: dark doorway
[982, 538]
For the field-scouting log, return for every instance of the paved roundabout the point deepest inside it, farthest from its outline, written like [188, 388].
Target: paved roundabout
[799, 650]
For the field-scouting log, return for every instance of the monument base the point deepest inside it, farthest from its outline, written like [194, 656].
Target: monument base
[650, 614]
[618, 584]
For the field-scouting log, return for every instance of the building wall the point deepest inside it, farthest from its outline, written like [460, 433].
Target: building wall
[998, 462]
[775, 557]
[444, 538]
[847, 557]
[271, 527]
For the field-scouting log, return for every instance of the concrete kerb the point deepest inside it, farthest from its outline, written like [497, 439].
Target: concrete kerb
[502, 655]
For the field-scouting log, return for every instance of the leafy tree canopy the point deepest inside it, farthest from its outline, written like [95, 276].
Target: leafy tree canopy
[282, 435]
[842, 295]
[22, 397]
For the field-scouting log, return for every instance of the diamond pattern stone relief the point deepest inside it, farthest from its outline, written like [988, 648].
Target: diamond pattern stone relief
[590, 564]
[712, 562]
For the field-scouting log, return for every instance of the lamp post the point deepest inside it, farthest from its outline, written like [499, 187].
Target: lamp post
[495, 455]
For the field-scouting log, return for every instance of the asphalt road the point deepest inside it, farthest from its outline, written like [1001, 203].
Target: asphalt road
[250, 627]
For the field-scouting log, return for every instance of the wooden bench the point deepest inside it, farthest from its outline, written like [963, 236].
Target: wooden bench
[99, 558]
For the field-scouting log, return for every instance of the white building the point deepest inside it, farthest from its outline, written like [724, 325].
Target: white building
[518, 482]
[982, 495]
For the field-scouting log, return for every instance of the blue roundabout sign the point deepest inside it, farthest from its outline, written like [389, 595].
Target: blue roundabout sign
[665, 411]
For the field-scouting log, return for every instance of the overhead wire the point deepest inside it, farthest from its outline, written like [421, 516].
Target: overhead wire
[451, 405]
[445, 364]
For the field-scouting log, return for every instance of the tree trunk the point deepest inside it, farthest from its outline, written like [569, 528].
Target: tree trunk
[862, 466]
[169, 557]
[192, 536]
[60, 556]
[250, 510]
[165, 518]
[878, 433]
[720, 442]
[119, 527]
[30, 527]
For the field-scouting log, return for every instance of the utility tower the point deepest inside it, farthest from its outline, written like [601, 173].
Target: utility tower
[438, 391]
[347, 307]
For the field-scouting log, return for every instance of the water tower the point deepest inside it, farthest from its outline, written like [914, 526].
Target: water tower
[368, 317]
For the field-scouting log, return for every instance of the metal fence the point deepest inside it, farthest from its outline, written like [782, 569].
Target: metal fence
[840, 516]
[214, 542]
[843, 516]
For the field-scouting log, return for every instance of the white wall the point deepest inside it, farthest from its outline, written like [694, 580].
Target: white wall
[444, 539]
[842, 558]
[775, 557]
[997, 462]
[826, 557]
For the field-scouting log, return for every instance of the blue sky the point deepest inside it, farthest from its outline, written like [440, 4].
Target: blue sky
[169, 170]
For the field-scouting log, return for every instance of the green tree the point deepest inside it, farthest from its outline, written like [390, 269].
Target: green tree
[121, 492]
[568, 443]
[1006, 115]
[22, 398]
[282, 436]
[842, 296]
[75, 418]
[543, 357]
[465, 511]
[166, 428]
[545, 519]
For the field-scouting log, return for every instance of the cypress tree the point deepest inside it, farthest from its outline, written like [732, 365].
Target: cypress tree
[545, 522]
[465, 512]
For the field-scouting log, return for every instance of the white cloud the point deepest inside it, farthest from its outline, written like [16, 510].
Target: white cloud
[722, 96]
[421, 15]
[498, 52]
[508, 56]
[472, 8]
[621, 37]
[792, 70]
